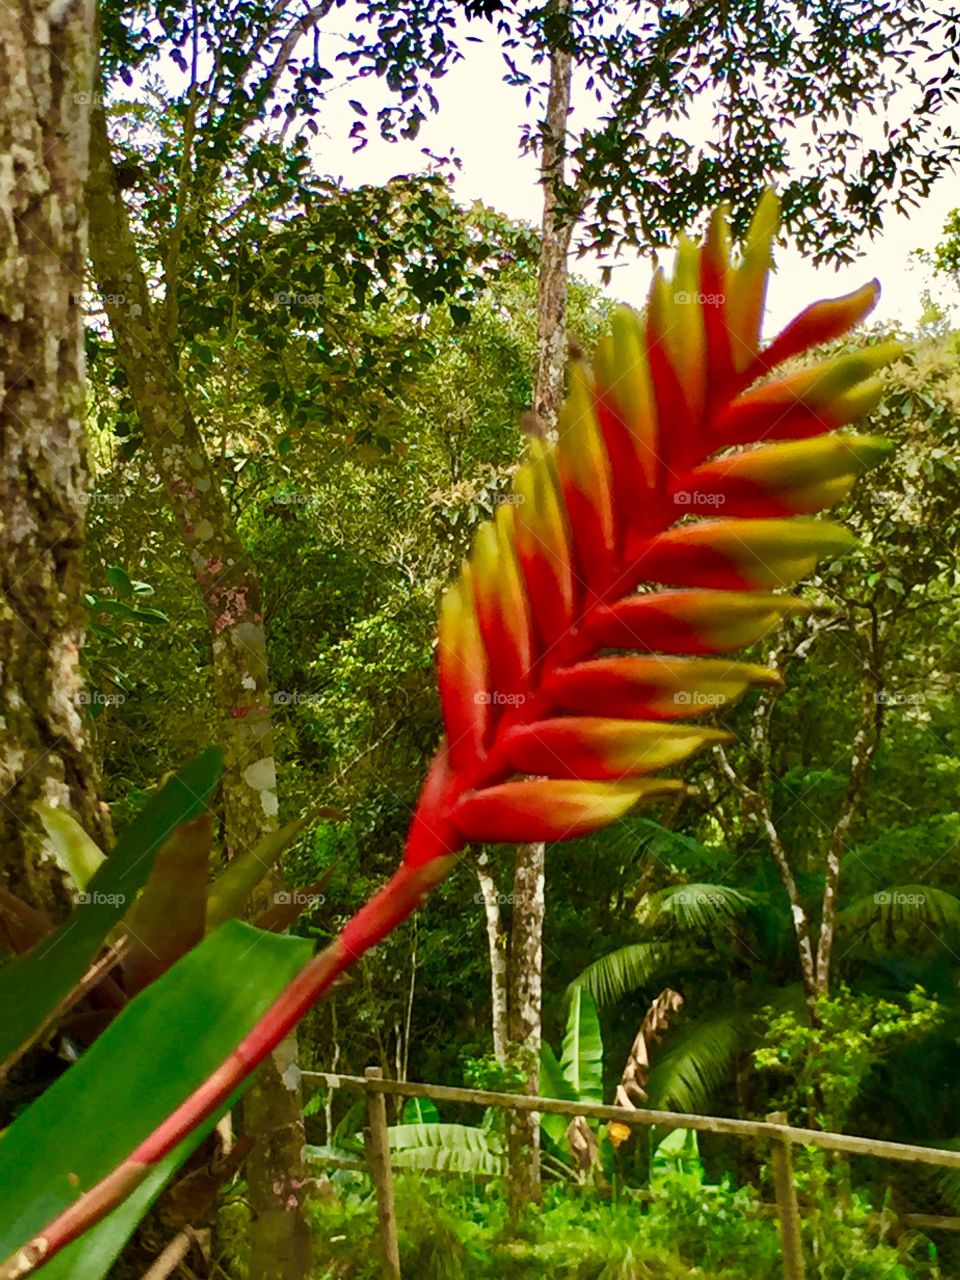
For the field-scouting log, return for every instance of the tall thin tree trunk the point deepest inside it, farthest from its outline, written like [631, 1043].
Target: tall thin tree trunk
[524, 1018]
[46, 70]
[497, 945]
[865, 743]
[227, 581]
[526, 936]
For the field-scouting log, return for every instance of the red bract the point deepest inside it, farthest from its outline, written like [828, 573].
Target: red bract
[627, 502]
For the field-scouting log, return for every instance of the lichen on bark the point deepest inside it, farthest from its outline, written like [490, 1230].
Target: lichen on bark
[46, 69]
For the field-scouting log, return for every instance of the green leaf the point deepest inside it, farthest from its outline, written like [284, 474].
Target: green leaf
[231, 890]
[76, 854]
[447, 1148]
[350, 1125]
[154, 616]
[154, 1055]
[678, 1152]
[419, 1111]
[554, 1085]
[169, 916]
[115, 608]
[119, 579]
[581, 1062]
[33, 985]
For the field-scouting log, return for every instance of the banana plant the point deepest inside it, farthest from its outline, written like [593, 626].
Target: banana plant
[423, 1141]
[678, 498]
[577, 1076]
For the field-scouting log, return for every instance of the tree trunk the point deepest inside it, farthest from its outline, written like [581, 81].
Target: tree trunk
[228, 583]
[865, 743]
[526, 940]
[46, 69]
[524, 1026]
[497, 944]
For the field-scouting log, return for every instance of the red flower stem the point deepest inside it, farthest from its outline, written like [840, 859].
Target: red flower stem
[401, 896]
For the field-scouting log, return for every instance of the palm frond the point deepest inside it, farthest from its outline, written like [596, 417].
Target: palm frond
[695, 908]
[627, 969]
[947, 1181]
[888, 918]
[698, 1062]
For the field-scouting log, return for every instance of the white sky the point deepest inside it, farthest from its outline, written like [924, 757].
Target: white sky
[480, 119]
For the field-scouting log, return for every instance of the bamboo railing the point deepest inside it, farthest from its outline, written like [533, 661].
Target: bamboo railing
[781, 1136]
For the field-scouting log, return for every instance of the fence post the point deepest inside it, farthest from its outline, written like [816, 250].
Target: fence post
[377, 1143]
[787, 1208]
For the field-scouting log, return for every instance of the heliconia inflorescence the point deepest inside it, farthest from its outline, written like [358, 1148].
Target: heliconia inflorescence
[578, 649]
[564, 687]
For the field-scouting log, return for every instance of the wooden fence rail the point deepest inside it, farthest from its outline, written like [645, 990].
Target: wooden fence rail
[782, 1137]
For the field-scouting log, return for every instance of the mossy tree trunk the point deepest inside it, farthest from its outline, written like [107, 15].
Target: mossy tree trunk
[526, 933]
[227, 581]
[46, 70]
